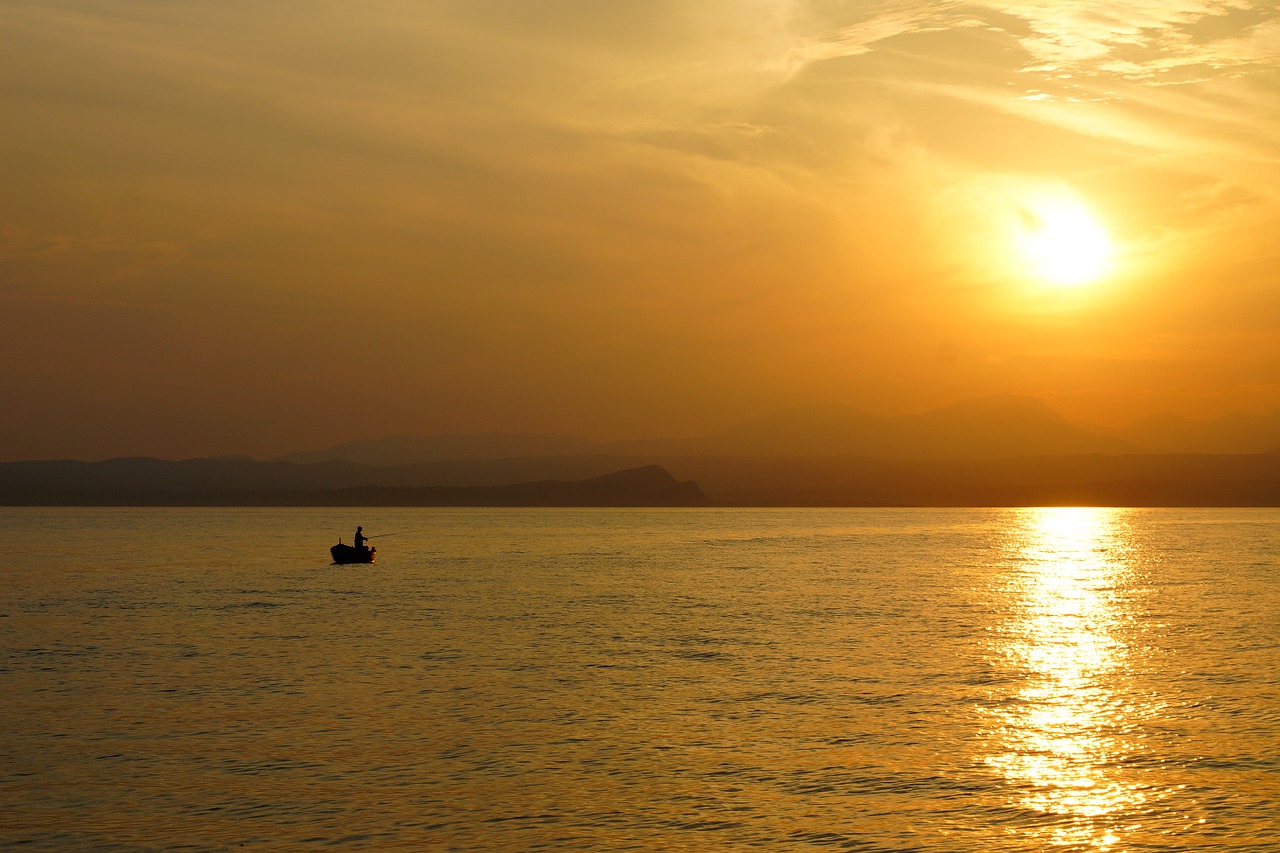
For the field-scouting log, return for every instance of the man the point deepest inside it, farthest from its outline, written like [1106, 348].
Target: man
[360, 537]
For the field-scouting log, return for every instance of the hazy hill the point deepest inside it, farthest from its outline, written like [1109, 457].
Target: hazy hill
[1235, 433]
[1097, 479]
[221, 482]
[983, 428]
[990, 451]
[410, 450]
[986, 428]
[1002, 427]
[159, 475]
[647, 486]
[992, 427]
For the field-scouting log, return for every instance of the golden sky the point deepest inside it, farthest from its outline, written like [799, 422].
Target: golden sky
[271, 225]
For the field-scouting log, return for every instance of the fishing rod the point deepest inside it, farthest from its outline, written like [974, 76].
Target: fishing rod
[398, 533]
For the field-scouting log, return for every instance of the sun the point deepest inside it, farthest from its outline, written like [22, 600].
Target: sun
[1062, 243]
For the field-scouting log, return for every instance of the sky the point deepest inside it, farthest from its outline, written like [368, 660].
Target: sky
[267, 226]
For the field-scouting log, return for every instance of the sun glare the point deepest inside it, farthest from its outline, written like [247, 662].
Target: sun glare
[1062, 243]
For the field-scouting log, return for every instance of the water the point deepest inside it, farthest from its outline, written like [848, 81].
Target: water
[677, 680]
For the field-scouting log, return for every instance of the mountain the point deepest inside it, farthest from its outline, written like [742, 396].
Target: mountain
[991, 427]
[1002, 427]
[410, 450]
[220, 482]
[1003, 450]
[984, 428]
[820, 430]
[1093, 479]
[143, 474]
[997, 427]
[1234, 433]
[647, 486]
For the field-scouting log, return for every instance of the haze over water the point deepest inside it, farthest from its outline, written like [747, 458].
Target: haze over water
[853, 679]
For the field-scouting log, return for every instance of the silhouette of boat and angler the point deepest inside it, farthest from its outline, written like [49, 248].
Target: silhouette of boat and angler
[357, 553]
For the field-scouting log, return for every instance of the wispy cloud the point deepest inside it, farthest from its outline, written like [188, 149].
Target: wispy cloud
[1140, 40]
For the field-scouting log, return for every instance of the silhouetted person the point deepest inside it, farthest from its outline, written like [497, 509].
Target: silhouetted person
[360, 537]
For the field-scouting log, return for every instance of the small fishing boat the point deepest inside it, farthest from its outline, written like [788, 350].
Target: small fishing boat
[343, 554]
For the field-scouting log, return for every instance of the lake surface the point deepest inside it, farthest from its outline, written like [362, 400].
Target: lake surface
[676, 680]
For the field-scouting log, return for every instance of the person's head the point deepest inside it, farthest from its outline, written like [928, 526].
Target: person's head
[358, 527]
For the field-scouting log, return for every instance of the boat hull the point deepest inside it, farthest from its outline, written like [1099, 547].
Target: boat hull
[343, 554]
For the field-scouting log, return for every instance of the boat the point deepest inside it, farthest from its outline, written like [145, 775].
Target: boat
[343, 554]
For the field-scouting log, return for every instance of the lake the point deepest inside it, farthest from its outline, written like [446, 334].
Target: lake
[676, 680]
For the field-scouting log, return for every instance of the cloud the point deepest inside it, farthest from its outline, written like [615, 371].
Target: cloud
[771, 193]
[1140, 39]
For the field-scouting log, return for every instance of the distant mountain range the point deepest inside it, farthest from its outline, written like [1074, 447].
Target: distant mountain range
[1094, 479]
[415, 450]
[997, 427]
[230, 482]
[998, 451]
[1234, 433]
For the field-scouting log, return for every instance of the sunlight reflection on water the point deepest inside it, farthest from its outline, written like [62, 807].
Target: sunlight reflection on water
[1061, 741]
